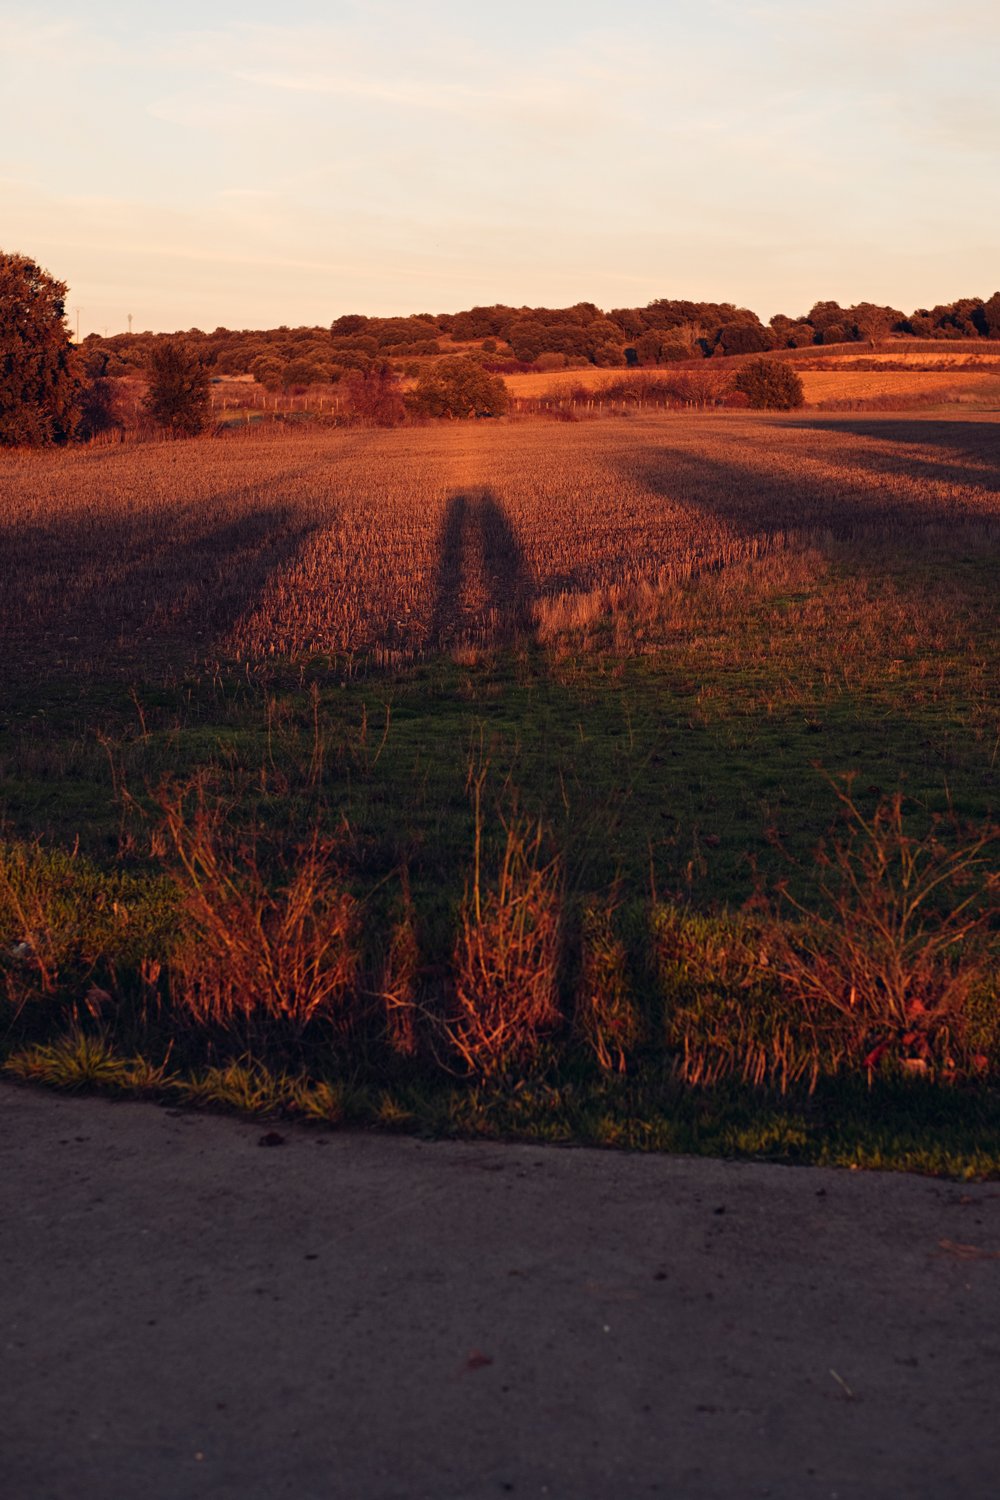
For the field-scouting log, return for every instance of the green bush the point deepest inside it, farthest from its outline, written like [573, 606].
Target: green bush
[459, 388]
[178, 396]
[770, 385]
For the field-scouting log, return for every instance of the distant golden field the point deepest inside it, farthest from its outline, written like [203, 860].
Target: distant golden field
[914, 356]
[838, 381]
[544, 382]
[861, 385]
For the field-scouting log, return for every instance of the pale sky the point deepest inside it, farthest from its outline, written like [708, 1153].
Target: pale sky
[248, 164]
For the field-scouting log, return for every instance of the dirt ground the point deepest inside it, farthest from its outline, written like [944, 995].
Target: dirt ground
[190, 1312]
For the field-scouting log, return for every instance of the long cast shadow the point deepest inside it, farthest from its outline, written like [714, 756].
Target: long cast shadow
[959, 452]
[752, 498]
[482, 586]
[137, 592]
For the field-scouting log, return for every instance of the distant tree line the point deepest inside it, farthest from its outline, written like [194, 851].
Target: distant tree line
[664, 332]
[51, 391]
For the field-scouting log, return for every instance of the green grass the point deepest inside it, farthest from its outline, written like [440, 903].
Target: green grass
[901, 1125]
[691, 766]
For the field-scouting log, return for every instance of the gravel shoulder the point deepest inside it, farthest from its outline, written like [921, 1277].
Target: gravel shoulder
[186, 1312]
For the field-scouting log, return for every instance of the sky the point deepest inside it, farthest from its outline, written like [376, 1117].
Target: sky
[245, 164]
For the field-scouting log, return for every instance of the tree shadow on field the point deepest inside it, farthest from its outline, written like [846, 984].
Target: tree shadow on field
[482, 587]
[733, 482]
[137, 592]
[959, 452]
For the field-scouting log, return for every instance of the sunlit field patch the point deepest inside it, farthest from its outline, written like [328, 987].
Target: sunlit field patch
[945, 383]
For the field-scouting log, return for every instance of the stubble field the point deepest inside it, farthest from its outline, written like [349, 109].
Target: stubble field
[382, 545]
[472, 777]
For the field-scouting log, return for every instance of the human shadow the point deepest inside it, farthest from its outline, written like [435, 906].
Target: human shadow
[482, 586]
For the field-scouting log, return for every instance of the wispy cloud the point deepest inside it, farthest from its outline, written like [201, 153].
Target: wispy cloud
[386, 91]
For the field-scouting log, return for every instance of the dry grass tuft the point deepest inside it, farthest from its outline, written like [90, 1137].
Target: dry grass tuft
[901, 939]
[606, 1014]
[398, 982]
[506, 960]
[282, 949]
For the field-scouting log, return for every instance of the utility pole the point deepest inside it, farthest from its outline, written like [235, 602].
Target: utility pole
[130, 322]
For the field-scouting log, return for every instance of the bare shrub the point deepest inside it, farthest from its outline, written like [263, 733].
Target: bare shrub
[506, 959]
[705, 385]
[701, 386]
[375, 396]
[280, 950]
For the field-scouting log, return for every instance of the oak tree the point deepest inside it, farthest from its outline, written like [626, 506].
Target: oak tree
[38, 382]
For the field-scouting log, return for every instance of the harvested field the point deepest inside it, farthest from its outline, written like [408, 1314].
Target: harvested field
[390, 544]
[544, 383]
[965, 357]
[522, 778]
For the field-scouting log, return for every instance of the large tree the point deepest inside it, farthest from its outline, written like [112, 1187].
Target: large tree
[38, 385]
[745, 337]
[872, 321]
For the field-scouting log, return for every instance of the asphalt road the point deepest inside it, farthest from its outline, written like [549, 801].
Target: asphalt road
[187, 1313]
